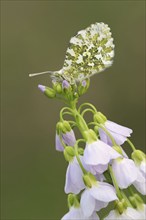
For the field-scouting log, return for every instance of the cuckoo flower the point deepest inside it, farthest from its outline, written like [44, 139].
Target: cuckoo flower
[118, 132]
[74, 177]
[98, 154]
[125, 172]
[96, 196]
[68, 138]
[129, 213]
[77, 213]
[64, 134]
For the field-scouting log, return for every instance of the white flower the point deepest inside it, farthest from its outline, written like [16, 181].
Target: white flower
[140, 183]
[76, 213]
[129, 213]
[143, 167]
[68, 138]
[98, 155]
[74, 178]
[119, 133]
[125, 172]
[97, 197]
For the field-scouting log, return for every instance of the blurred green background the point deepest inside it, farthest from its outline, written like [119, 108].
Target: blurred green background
[34, 37]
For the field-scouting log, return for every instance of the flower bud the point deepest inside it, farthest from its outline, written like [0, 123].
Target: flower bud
[68, 157]
[70, 151]
[73, 201]
[89, 180]
[83, 86]
[138, 156]
[49, 92]
[120, 206]
[57, 87]
[99, 117]
[90, 136]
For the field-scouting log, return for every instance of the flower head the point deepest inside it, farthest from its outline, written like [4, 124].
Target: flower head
[118, 132]
[97, 197]
[129, 213]
[74, 178]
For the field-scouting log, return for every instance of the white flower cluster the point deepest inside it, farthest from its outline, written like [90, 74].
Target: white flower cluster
[99, 173]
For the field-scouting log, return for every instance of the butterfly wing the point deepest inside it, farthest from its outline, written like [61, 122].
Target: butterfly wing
[89, 52]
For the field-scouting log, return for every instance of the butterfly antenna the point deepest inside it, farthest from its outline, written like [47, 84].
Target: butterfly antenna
[37, 74]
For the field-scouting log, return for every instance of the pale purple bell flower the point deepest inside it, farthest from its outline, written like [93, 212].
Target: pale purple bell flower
[129, 213]
[68, 138]
[76, 213]
[97, 197]
[125, 172]
[119, 133]
[140, 182]
[74, 178]
[99, 154]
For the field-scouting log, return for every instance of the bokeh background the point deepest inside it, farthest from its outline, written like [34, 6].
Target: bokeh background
[34, 37]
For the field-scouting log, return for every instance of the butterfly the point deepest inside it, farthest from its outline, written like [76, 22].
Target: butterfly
[89, 52]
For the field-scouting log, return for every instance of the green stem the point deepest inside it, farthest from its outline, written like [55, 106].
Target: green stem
[87, 110]
[77, 155]
[126, 199]
[131, 144]
[115, 183]
[62, 112]
[106, 131]
[88, 104]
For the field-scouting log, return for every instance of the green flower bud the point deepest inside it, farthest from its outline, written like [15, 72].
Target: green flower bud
[49, 92]
[66, 126]
[90, 136]
[120, 206]
[73, 201]
[70, 151]
[68, 157]
[57, 87]
[89, 180]
[138, 156]
[83, 86]
[99, 117]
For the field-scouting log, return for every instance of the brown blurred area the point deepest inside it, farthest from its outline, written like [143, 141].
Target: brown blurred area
[34, 37]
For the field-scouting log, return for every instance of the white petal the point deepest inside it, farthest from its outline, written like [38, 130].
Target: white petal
[87, 203]
[119, 139]
[74, 181]
[125, 172]
[140, 183]
[143, 167]
[58, 144]
[103, 192]
[133, 214]
[99, 153]
[119, 129]
[99, 205]
[69, 138]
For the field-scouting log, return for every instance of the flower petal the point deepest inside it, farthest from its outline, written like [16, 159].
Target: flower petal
[99, 153]
[125, 172]
[69, 138]
[58, 143]
[103, 192]
[87, 203]
[74, 181]
[118, 129]
[140, 183]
